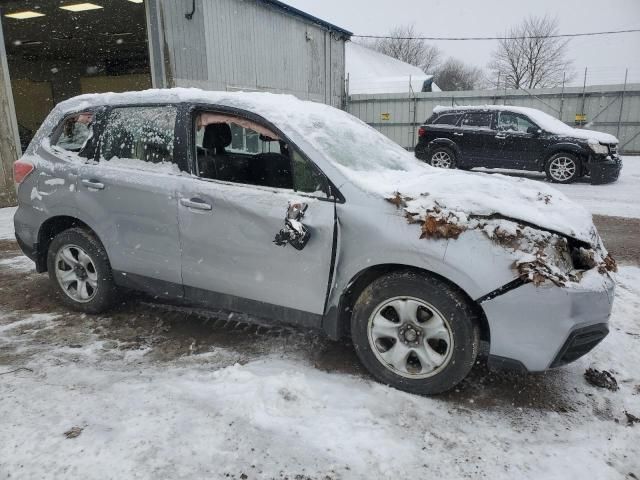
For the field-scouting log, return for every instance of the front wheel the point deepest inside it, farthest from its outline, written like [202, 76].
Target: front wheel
[415, 332]
[442, 157]
[79, 268]
[563, 168]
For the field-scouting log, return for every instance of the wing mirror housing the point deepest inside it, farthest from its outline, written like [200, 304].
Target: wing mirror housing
[294, 233]
[534, 130]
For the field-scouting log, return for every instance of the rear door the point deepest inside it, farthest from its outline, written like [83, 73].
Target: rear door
[128, 196]
[229, 226]
[477, 139]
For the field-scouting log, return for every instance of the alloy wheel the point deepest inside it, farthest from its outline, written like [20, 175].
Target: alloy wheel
[410, 337]
[441, 159]
[76, 273]
[562, 169]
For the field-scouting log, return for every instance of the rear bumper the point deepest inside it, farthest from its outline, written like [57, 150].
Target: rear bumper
[537, 328]
[606, 170]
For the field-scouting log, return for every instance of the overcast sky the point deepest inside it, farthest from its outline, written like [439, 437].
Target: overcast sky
[605, 56]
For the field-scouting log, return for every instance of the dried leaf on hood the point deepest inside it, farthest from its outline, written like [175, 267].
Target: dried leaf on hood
[438, 227]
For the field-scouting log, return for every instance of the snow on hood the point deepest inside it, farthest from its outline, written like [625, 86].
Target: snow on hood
[468, 194]
[374, 163]
[544, 121]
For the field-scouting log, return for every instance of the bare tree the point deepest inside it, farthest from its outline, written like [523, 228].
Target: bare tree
[403, 45]
[454, 74]
[529, 56]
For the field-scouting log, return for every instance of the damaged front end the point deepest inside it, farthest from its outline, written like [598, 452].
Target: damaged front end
[557, 307]
[539, 255]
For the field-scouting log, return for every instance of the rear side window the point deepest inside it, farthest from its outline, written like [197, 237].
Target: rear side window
[477, 120]
[76, 132]
[140, 137]
[447, 119]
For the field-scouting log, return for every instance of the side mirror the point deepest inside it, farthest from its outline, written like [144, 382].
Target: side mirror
[534, 130]
[294, 232]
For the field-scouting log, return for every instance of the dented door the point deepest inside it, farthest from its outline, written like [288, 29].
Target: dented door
[229, 246]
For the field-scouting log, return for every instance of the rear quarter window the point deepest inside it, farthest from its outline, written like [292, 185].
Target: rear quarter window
[75, 134]
[447, 119]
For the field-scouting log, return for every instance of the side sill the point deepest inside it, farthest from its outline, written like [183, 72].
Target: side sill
[256, 308]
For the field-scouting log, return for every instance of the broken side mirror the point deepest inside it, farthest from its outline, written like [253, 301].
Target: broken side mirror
[294, 232]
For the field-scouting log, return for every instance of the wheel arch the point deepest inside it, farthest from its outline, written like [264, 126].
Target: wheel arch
[571, 148]
[448, 143]
[338, 321]
[48, 231]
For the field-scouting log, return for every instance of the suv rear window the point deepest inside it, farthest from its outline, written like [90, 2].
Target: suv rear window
[447, 119]
[477, 120]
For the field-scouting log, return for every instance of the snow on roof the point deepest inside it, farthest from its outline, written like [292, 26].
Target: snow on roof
[369, 160]
[374, 72]
[543, 120]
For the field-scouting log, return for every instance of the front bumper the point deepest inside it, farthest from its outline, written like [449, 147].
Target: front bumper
[548, 326]
[605, 169]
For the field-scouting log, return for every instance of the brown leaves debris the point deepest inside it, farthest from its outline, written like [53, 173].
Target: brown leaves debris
[438, 227]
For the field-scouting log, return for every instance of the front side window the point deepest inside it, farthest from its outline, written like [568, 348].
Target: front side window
[139, 137]
[477, 120]
[234, 149]
[514, 122]
[76, 132]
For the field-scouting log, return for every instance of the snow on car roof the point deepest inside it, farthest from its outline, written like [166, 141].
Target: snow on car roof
[544, 120]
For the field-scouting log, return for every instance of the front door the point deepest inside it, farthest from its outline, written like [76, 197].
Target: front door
[232, 212]
[518, 141]
[129, 197]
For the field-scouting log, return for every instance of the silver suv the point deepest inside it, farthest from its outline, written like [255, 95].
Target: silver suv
[298, 212]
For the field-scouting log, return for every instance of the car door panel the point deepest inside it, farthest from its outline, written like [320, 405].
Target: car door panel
[135, 215]
[230, 248]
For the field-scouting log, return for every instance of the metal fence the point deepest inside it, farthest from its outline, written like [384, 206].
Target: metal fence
[613, 109]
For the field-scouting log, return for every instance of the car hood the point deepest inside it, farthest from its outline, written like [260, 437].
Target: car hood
[591, 136]
[469, 195]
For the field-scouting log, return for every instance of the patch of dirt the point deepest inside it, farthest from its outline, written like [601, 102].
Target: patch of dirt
[620, 236]
[601, 379]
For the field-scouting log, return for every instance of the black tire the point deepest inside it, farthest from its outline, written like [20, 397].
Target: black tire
[449, 302]
[98, 271]
[447, 158]
[555, 171]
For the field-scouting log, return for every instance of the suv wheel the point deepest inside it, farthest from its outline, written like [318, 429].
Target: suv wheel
[415, 333]
[79, 268]
[442, 157]
[563, 168]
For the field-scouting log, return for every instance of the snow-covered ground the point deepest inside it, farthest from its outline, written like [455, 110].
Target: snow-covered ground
[620, 198]
[277, 416]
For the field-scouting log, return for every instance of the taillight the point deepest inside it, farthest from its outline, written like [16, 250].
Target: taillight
[21, 169]
[422, 132]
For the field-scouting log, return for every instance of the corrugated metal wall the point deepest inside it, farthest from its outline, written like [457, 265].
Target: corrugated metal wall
[247, 45]
[398, 115]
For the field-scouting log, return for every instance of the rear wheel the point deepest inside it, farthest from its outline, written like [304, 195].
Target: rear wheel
[415, 332]
[79, 268]
[442, 157]
[563, 168]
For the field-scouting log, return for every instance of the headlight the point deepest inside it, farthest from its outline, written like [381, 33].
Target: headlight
[599, 148]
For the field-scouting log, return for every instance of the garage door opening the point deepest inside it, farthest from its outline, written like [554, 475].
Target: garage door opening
[59, 49]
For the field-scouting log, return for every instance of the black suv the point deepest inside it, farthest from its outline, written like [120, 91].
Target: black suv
[516, 138]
